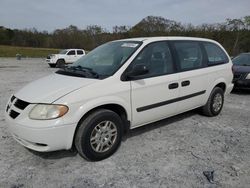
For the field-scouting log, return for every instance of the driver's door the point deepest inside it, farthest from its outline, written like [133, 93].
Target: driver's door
[153, 95]
[71, 56]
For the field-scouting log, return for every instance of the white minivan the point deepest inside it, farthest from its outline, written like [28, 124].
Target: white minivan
[119, 86]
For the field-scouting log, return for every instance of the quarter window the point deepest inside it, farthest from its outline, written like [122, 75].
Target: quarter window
[157, 58]
[215, 54]
[189, 55]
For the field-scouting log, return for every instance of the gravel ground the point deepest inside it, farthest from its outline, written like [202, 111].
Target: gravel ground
[170, 153]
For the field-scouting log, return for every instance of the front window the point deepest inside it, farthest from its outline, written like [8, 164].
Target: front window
[157, 58]
[242, 59]
[72, 52]
[104, 60]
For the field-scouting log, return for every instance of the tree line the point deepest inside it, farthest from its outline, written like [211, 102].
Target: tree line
[233, 34]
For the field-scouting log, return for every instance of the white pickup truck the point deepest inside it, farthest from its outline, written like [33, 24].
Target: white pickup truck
[64, 57]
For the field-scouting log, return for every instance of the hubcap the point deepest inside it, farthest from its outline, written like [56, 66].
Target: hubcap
[217, 102]
[103, 136]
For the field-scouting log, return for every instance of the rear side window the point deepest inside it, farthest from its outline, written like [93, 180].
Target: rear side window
[189, 55]
[79, 52]
[71, 52]
[215, 54]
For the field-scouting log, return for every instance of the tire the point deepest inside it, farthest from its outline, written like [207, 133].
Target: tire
[215, 103]
[60, 63]
[52, 65]
[104, 142]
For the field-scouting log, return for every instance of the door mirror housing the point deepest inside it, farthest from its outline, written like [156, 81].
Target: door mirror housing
[137, 71]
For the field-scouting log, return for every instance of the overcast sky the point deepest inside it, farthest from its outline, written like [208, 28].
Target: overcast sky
[55, 14]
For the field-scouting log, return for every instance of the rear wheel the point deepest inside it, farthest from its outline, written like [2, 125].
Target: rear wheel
[215, 102]
[60, 63]
[99, 135]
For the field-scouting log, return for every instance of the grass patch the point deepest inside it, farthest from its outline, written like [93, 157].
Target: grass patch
[11, 51]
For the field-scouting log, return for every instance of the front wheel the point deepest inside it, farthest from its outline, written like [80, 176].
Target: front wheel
[215, 102]
[60, 63]
[99, 135]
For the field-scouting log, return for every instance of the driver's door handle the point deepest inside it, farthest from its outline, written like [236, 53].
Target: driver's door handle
[173, 85]
[185, 83]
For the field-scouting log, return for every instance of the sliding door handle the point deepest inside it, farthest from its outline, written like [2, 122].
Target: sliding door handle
[173, 86]
[185, 83]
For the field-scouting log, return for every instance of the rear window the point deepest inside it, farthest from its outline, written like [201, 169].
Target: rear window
[79, 52]
[189, 55]
[215, 54]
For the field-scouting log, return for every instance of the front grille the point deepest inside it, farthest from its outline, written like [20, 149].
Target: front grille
[238, 76]
[7, 109]
[21, 104]
[13, 114]
[18, 105]
[12, 98]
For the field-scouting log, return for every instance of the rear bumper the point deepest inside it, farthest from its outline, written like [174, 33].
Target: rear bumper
[42, 139]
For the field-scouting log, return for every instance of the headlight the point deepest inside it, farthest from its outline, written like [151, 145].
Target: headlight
[47, 111]
[248, 76]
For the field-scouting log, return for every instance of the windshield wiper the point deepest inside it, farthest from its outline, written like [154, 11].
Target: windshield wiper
[78, 71]
[88, 72]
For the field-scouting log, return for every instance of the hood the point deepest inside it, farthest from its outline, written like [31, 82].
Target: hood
[52, 87]
[243, 69]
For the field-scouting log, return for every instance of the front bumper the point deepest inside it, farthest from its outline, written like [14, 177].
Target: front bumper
[46, 139]
[39, 135]
[51, 61]
[244, 83]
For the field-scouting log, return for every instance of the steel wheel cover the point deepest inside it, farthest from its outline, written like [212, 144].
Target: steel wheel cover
[103, 136]
[217, 102]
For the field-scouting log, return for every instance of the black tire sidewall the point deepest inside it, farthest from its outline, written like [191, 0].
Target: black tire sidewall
[60, 63]
[216, 91]
[86, 133]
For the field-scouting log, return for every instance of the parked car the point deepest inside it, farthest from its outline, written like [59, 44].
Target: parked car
[119, 86]
[241, 69]
[64, 57]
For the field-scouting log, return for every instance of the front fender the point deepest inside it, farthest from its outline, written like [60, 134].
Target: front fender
[78, 110]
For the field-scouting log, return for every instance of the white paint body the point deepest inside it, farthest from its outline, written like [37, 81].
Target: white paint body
[83, 94]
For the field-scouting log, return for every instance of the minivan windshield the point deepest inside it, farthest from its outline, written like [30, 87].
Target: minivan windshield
[242, 59]
[104, 60]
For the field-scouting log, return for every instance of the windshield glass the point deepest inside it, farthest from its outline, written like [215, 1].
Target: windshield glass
[63, 52]
[106, 59]
[242, 59]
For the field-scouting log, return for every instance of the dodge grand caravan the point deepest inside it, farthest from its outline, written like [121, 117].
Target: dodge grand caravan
[119, 86]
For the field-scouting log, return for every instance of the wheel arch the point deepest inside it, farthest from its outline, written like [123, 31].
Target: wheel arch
[117, 108]
[221, 83]
[60, 59]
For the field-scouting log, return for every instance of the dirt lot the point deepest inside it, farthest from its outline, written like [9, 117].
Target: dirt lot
[170, 153]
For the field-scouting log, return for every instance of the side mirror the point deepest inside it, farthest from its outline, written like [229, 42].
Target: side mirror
[137, 71]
